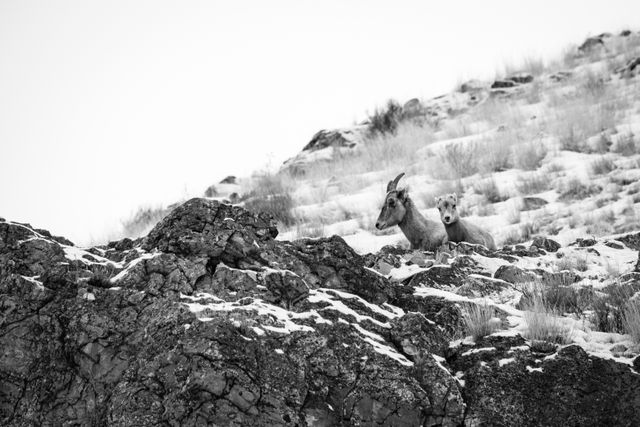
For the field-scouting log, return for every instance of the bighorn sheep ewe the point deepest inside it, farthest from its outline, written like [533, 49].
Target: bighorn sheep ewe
[458, 229]
[399, 210]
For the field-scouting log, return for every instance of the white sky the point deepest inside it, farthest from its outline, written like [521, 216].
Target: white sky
[106, 106]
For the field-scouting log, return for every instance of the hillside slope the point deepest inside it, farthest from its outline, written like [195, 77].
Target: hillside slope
[210, 321]
[552, 149]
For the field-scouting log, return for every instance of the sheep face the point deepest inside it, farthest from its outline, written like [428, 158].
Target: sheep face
[447, 205]
[393, 210]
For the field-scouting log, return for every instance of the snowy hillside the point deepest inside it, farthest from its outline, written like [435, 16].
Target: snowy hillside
[553, 150]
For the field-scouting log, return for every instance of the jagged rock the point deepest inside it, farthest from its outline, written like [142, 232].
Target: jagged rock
[221, 232]
[500, 84]
[592, 43]
[231, 179]
[414, 334]
[209, 320]
[514, 275]
[613, 245]
[521, 78]
[630, 69]
[631, 241]
[584, 243]
[546, 244]
[570, 388]
[560, 76]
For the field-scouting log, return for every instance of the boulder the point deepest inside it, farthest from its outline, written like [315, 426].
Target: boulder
[532, 203]
[546, 244]
[231, 179]
[501, 84]
[591, 43]
[514, 275]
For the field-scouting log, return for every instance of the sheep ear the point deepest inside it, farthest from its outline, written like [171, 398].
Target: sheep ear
[437, 200]
[402, 194]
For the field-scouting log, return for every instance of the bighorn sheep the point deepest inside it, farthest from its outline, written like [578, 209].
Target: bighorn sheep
[399, 210]
[458, 229]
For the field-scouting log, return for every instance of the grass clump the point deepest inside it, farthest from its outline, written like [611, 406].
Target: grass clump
[529, 156]
[532, 184]
[610, 310]
[625, 145]
[270, 193]
[489, 190]
[631, 320]
[479, 320]
[602, 166]
[459, 160]
[574, 189]
[543, 323]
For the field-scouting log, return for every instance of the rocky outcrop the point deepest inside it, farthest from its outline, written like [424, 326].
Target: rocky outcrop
[209, 320]
[508, 385]
[630, 69]
[324, 145]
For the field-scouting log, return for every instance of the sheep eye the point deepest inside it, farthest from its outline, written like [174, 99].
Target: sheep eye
[454, 206]
[392, 203]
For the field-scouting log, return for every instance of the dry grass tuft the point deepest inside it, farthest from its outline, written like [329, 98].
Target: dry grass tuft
[543, 323]
[479, 320]
[631, 320]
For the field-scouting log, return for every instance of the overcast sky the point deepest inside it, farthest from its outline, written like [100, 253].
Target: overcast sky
[106, 106]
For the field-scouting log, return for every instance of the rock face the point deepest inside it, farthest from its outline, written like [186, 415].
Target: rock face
[209, 320]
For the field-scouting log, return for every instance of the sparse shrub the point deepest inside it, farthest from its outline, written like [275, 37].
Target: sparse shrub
[602, 166]
[512, 238]
[625, 145]
[594, 85]
[574, 189]
[143, 220]
[609, 309]
[496, 155]
[385, 120]
[532, 184]
[485, 209]
[557, 297]
[479, 320]
[489, 190]
[528, 230]
[513, 215]
[271, 194]
[572, 262]
[529, 156]
[459, 160]
[631, 320]
[543, 323]
[309, 230]
[601, 223]
[553, 167]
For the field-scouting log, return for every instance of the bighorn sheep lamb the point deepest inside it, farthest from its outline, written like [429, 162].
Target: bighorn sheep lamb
[458, 229]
